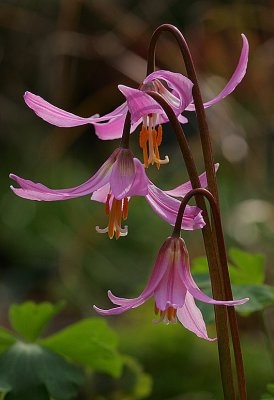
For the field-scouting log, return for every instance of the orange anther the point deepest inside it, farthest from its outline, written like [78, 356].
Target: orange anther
[111, 223]
[145, 155]
[157, 155]
[156, 309]
[170, 313]
[118, 218]
[141, 137]
[125, 208]
[159, 135]
[174, 313]
[107, 207]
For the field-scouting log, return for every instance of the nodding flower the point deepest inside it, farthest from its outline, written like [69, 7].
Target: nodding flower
[175, 88]
[121, 177]
[174, 290]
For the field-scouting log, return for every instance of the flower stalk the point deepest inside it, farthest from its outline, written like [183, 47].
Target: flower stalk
[216, 281]
[212, 253]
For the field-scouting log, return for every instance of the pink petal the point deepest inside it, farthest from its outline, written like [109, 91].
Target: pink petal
[181, 85]
[36, 191]
[167, 208]
[191, 317]
[112, 311]
[171, 290]
[160, 267]
[182, 190]
[112, 129]
[141, 181]
[123, 174]
[236, 78]
[101, 194]
[139, 103]
[182, 119]
[184, 271]
[58, 117]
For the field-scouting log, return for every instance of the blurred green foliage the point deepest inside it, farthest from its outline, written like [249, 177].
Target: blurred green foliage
[33, 368]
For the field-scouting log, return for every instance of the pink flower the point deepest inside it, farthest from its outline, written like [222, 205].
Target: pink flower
[174, 87]
[173, 288]
[121, 177]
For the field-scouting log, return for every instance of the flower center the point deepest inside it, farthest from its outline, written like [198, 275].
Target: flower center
[167, 316]
[116, 211]
[150, 140]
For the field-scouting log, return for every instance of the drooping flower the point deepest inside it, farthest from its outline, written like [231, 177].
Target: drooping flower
[121, 177]
[174, 87]
[174, 290]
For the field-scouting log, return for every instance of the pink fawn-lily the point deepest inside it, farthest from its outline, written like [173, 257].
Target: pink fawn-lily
[121, 176]
[173, 288]
[174, 87]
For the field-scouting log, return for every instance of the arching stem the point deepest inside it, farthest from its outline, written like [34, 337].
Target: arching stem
[211, 178]
[217, 286]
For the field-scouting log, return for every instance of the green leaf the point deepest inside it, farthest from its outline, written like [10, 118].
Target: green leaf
[91, 343]
[249, 268]
[30, 319]
[260, 297]
[34, 393]
[30, 367]
[6, 340]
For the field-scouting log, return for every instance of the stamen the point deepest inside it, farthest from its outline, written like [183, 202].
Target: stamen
[107, 206]
[150, 143]
[118, 218]
[122, 231]
[111, 223]
[101, 230]
[169, 315]
[169, 312]
[125, 208]
[150, 140]
[159, 135]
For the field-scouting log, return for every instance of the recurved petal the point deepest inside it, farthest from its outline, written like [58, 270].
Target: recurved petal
[112, 129]
[139, 103]
[58, 117]
[184, 271]
[36, 191]
[101, 194]
[167, 208]
[181, 85]
[182, 190]
[182, 119]
[236, 78]
[191, 317]
[111, 311]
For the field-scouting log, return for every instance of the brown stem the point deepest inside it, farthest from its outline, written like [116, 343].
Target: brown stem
[126, 132]
[211, 178]
[223, 258]
[217, 287]
[200, 112]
